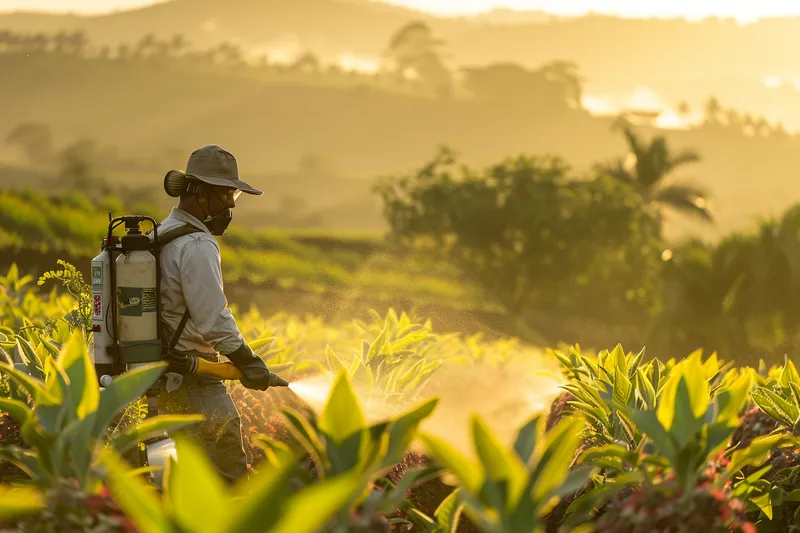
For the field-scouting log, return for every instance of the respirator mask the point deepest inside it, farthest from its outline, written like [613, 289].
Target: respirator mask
[218, 224]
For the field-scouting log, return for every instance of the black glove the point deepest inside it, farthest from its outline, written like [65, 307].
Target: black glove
[181, 364]
[256, 373]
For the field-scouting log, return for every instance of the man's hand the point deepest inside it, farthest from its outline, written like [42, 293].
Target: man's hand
[260, 383]
[181, 364]
[256, 373]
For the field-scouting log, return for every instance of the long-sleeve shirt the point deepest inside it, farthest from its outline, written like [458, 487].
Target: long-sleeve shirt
[191, 274]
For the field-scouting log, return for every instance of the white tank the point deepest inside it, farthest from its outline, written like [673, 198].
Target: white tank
[136, 307]
[101, 298]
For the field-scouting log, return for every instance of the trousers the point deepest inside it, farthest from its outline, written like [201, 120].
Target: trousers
[220, 434]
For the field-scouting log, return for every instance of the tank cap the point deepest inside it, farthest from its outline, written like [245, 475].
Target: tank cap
[133, 242]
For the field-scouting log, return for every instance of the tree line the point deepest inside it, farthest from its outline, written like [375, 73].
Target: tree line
[539, 238]
[413, 59]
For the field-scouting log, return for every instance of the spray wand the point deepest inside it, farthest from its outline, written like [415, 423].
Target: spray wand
[228, 371]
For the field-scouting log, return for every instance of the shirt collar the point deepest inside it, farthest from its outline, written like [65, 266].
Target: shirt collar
[183, 216]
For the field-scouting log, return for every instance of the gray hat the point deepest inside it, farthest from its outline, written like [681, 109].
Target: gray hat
[213, 165]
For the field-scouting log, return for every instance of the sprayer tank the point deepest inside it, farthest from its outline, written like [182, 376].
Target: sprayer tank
[101, 298]
[136, 301]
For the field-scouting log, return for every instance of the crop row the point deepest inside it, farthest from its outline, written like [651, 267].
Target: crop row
[629, 445]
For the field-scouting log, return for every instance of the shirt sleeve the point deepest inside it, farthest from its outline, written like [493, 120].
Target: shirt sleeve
[201, 282]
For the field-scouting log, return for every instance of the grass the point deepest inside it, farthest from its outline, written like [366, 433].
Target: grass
[337, 264]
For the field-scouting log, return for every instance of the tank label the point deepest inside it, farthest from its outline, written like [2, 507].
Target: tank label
[97, 305]
[97, 275]
[133, 301]
[149, 300]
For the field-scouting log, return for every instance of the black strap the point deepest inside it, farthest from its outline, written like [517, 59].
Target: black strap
[177, 335]
[163, 240]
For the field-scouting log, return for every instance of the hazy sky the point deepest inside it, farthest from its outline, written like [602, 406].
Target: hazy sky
[744, 10]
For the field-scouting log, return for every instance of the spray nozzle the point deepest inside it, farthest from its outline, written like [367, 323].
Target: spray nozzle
[276, 381]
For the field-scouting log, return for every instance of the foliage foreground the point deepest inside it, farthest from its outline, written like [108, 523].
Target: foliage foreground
[629, 445]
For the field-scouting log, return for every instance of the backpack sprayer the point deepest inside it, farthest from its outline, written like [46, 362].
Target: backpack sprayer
[126, 324]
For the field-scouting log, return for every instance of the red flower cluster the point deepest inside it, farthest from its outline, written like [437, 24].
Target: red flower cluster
[662, 508]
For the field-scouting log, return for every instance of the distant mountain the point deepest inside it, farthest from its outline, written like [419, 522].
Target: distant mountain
[633, 49]
[676, 58]
[339, 25]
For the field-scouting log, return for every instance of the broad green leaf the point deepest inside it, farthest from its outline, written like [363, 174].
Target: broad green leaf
[343, 414]
[20, 411]
[135, 497]
[151, 427]
[260, 499]
[576, 479]
[498, 463]
[26, 460]
[691, 371]
[313, 508]
[645, 388]
[558, 448]
[789, 374]
[448, 513]
[622, 388]
[730, 401]
[84, 388]
[796, 392]
[764, 503]
[620, 363]
[686, 424]
[755, 454]
[787, 411]
[334, 363]
[304, 433]
[123, 390]
[403, 430]
[76, 437]
[26, 352]
[525, 443]
[54, 410]
[197, 494]
[33, 386]
[377, 345]
[635, 362]
[648, 423]
[16, 502]
[766, 404]
[468, 473]
[261, 342]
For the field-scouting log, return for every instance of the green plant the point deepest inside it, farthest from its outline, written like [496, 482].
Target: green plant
[510, 490]
[72, 280]
[392, 367]
[67, 426]
[340, 441]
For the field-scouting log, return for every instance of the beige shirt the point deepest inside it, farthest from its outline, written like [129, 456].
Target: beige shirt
[191, 274]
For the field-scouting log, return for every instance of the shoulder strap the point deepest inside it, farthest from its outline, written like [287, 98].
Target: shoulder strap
[174, 233]
[164, 239]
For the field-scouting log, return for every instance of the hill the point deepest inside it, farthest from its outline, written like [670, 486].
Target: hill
[159, 113]
[678, 59]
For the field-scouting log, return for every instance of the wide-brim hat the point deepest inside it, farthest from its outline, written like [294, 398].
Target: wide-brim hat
[214, 165]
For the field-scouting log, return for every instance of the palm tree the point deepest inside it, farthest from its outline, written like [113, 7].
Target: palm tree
[566, 73]
[713, 110]
[646, 168]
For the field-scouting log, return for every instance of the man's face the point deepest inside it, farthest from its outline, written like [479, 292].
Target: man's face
[222, 198]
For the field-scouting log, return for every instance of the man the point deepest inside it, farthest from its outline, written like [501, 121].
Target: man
[192, 296]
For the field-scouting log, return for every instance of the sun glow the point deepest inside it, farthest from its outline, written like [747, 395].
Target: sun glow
[743, 12]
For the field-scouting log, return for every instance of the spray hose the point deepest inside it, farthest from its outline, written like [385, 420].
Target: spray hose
[228, 371]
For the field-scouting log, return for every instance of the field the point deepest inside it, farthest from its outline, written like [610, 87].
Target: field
[390, 425]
